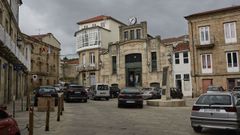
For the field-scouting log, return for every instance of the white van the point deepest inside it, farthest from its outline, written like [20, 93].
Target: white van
[99, 91]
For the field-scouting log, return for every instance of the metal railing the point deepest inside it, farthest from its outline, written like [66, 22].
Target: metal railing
[9, 43]
[86, 67]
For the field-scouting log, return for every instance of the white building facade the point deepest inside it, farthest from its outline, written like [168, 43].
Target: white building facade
[182, 69]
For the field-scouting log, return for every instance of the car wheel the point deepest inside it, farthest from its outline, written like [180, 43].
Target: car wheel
[197, 129]
[140, 106]
[85, 100]
[107, 98]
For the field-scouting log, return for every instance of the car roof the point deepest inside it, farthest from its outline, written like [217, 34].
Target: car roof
[219, 93]
[47, 86]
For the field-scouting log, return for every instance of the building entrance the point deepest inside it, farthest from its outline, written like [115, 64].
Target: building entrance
[133, 70]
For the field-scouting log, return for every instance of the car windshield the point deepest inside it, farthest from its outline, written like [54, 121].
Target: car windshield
[214, 100]
[236, 89]
[214, 88]
[102, 87]
[76, 87]
[47, 90]
[126, 91]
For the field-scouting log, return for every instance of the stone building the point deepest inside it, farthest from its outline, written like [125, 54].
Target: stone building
[68, 70]
[214, 45]
[93, 36]
[137, 59]
[14, 54]
[45, 60]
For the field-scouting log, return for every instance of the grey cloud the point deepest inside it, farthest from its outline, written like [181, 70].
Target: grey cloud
[165, 18]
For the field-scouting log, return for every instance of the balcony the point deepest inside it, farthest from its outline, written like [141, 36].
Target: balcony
[86, 67]
[12, 50]
[209, 45]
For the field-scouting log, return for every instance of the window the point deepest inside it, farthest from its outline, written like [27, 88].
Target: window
[230, 32]
[154, 61]
[232, 62]
[186, 77]
[92, 58]
[185, 57]
[126, 35]
[83, 59]
[178, 76]
[94, 25]
[114, 64]
[131, 34]
[206, 63]
[204, 35]
[85, 26]
[177, 60]
[103, 24]
[138, 34]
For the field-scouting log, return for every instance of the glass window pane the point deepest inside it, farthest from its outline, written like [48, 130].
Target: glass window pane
[235, 63]
[203, 61]
[209, 61]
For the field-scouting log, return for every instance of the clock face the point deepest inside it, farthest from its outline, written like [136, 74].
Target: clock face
[133, 20]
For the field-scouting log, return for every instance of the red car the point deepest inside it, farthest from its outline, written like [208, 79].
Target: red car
[8, 126]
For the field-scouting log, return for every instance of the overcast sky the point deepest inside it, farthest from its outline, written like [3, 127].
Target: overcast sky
[164, 17]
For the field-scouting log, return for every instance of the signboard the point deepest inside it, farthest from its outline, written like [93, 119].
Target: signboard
[165, 76]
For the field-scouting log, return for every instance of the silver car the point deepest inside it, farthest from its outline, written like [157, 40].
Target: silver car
[219, 110]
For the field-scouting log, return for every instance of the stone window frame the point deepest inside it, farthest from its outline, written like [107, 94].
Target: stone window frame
[153, 61]
[206, 63]
[230, 32]
[232, 67]
[204, 35]
[125, 35]
[138, 33]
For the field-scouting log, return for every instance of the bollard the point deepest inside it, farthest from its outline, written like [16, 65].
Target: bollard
[62, 97]
[31, 121]
[59, 109]
[47, 116]
[13, 105]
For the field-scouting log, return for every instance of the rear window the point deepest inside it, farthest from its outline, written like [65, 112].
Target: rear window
[76, 87]
[126, 91]
[47, 90]
[214, 100]
[102, 87]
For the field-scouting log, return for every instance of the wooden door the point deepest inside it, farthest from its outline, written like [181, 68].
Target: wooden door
[205, 84]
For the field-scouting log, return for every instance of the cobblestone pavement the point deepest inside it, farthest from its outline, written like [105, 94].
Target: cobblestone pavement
[104, 118]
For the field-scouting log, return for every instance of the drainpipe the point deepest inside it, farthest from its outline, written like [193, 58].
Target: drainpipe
[194, 61]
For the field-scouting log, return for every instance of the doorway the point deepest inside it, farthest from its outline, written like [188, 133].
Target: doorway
[133, 70]
[205, 84]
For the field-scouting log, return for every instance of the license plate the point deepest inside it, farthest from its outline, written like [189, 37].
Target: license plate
[211, 110]
[130, 101]
[77, 92]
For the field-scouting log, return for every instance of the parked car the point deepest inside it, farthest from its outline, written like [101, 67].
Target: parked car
[45, 91]
[219, 110]
[152, 93]
[130, 96]
[75, 93]
[99, 91]
[236, 90]
[58, 89]
[212, 88]
[8, 125]
[176, 93]
[114, 92]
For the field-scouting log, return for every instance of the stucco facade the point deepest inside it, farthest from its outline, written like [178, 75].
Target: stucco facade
[214, 45]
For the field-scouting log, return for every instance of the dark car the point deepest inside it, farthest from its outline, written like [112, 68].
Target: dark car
[130, 96]
[8, 125]
[114, 92]
[176, 93]
[75, 93]
[212, 89]
[152, 93]
[45, 91]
